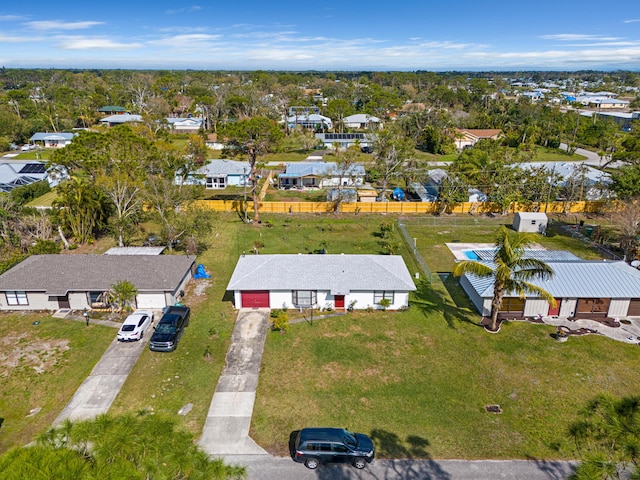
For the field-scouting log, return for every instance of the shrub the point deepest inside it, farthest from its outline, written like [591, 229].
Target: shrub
[281, 322]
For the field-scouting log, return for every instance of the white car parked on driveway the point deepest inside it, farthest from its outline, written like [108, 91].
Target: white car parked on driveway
[134, 326]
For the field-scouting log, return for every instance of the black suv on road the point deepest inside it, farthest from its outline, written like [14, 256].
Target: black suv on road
[315, 446]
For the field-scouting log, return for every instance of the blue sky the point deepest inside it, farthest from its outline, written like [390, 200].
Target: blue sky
[322, 35]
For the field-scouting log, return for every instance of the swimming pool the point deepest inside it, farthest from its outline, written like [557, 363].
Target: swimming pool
[470, 254]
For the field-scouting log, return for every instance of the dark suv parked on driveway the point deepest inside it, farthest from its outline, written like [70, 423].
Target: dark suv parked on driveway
[315, 446]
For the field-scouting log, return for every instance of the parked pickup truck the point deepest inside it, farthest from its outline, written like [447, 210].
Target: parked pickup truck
[169, 330]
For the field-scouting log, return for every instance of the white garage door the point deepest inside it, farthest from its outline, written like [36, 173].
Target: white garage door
[151, 300]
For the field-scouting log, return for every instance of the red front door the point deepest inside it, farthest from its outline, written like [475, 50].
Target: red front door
[339, 301]
[553, 312]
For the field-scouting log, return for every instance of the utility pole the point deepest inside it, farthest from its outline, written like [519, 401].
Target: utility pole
[244, 180]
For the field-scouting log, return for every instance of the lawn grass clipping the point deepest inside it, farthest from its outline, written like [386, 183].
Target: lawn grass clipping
[41, 366]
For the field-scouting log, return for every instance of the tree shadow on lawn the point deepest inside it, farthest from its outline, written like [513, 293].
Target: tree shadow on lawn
[429, 299]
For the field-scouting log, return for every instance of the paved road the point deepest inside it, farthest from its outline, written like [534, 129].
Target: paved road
[269, 468]
[226, 430]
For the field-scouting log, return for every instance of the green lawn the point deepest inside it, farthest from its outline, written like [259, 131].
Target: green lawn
[544, 154]
[418, 382]
[41, 366]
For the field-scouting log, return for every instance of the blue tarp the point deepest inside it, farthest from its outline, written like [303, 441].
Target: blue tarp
[398, 194]
[201, 273]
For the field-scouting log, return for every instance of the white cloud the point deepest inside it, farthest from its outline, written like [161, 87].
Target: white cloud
[18, 39]
[11, 18]
[572, 37]
[88, 43]
[191, 41]
[58, 25]
[191, 9]
[633, 20]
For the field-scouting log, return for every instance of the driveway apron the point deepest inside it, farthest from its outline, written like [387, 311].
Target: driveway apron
[226, 430]
[96, 394]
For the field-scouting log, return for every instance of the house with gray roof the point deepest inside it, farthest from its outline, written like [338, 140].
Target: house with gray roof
[582, 289]
[361, 120]
[185, 125]
[52, 140]
[320, 175]
[309, 120]
[321, 281]
[219, 174]
[52, 282]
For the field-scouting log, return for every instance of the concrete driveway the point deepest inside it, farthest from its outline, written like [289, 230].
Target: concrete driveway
[96, 394]
[226, 430]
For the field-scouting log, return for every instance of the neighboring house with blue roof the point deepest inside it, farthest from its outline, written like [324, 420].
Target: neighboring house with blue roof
[113, 120]
[320, 175]
[321, 281]
[582, 289]
[19, 173]
[219, 174]
[52, 140]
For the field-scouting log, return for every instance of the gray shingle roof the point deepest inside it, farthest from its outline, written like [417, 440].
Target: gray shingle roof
[225, 167]
[339, 274]
[304, 169]
[596, 279]
[59, 274]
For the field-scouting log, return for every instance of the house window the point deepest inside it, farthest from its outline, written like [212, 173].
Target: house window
[379, 295]
[593, 305]
[304, 298]
[17, 298]
[512, 304]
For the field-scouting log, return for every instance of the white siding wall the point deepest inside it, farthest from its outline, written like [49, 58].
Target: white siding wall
[477, 301]
[568, 307]
[279, 299]
[78, 300]
[486, 307]
[536, 306]
[619, 308]
[37, 301]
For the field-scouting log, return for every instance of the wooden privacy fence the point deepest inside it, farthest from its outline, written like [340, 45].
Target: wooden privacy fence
[404, 207]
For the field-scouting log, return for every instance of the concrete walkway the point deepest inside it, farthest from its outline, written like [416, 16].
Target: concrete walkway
[96, 394]
[226, 430]
[624, 333]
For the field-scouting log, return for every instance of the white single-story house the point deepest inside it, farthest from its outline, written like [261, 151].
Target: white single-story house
[345, 140]
[52, 282]
[468, 137]
[52, 140]
[321, 281]
[582, 289]
[113, 120]
[320, 175]
[361, 120]
[311, 120]
[535, 222]
[219, 174]
[597, 181]
[185, 125]
[599, 101]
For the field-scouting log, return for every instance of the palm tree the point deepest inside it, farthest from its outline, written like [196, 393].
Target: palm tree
[511, 270]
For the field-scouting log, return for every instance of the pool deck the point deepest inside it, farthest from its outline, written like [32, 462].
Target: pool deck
[458, 248]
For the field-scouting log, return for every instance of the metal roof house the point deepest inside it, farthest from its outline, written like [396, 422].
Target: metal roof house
[113, 120]
[320, 175]
[345, 140]
[219, 174]
[582, 289]
[185, 125]
[52, 140]
[361, 120]
[18, 173]
[321, 281]
[52, 282]
[311, 120]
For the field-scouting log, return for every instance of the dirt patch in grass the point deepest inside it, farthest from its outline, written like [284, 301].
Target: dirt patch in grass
[19, 350]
